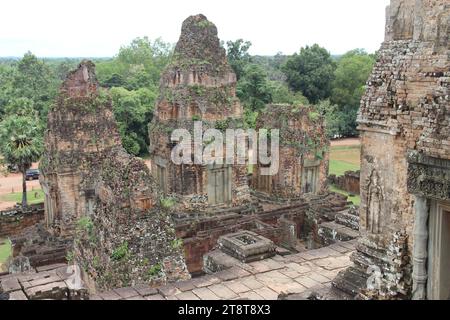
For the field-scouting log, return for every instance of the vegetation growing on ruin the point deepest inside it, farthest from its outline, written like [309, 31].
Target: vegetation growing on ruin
[205, 24]
[70, 256]
[85, 230]
[167, 202]
[177, 243]
[120, 252]
[154, 271]
[85, 224]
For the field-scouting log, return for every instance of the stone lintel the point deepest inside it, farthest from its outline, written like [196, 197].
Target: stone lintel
[388, 130]
[428, 177]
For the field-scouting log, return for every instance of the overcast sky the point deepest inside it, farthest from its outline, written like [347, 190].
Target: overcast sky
[97, 28]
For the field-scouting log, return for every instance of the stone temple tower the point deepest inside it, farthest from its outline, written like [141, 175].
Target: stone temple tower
[198, 85]
[404, 120]
[102, 197]
[81, 129]
[304, 156]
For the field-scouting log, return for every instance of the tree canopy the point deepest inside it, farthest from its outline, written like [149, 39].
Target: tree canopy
[238, 56]
[28, 86]
[350, 76]
[311, 71]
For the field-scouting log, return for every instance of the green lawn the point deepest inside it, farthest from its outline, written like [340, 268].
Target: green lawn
[344, 158]
[33, 197]
[356, 199]
[5, 250]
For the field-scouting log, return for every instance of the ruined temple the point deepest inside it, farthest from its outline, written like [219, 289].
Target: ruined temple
[80, 129]
[404, 120]
[303, 160]
[103, 197]
[141, 235]
[198, 86]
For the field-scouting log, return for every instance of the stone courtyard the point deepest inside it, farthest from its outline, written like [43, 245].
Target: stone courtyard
[306, 275]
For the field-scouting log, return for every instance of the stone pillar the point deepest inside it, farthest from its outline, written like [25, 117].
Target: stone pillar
[420, 249]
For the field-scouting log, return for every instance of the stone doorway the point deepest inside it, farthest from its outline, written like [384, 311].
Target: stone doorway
[219, 186]
[439, 251]
[161, 177]
[48, 206]
[310, 177]
[264, 181]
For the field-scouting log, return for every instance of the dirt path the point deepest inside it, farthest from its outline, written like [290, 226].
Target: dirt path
[345, 142]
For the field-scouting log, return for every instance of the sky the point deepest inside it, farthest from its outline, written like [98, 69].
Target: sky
[98, 28]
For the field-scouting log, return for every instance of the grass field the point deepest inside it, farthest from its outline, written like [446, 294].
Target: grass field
[33, 197]
[344, 158]
[5, 250]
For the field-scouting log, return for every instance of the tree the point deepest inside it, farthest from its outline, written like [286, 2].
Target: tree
[21, 144]
[254, 89]
[133, 76]
[350, 77]
[138, 65]
[238, 56]
[64, 67]
[6, 87]
[133, 111]
[20, 106]
[311, 72]
[282, 94]
[332, 116]
[33, 79]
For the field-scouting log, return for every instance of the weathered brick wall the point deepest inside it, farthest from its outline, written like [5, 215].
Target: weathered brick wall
[348, 182]
[13, 223]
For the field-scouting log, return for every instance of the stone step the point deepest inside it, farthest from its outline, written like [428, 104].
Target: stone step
[348, 220]
[330, 232]
[350, 281]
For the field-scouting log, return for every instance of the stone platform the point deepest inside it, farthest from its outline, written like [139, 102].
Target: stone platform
[43, 283]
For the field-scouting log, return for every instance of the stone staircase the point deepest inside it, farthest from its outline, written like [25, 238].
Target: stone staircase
[344, 227]
[350, 281]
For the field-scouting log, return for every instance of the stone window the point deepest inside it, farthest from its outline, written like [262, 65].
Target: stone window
[219, 184]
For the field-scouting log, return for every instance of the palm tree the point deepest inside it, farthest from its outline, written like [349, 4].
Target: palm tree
[21, 144]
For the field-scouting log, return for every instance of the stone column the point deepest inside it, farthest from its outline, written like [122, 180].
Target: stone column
[420, 248]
